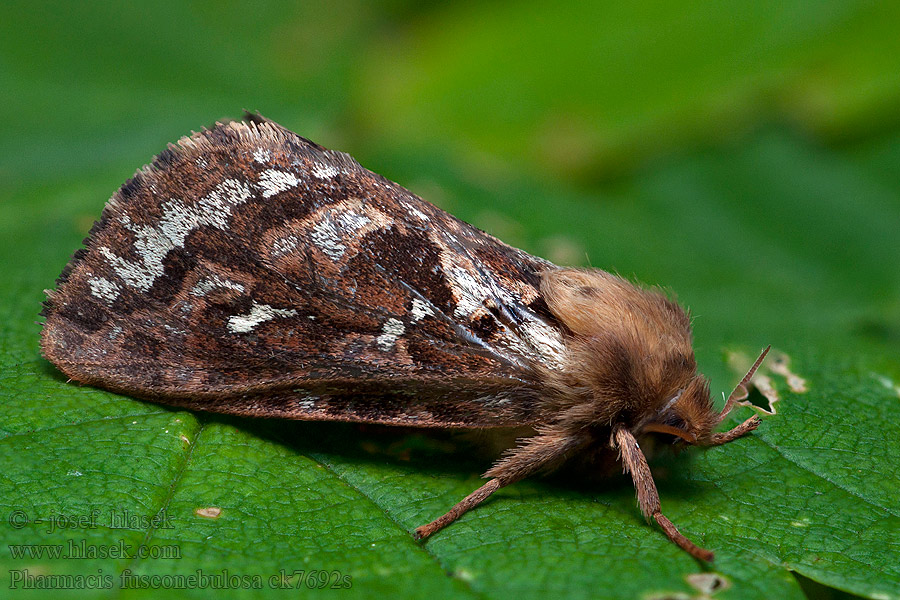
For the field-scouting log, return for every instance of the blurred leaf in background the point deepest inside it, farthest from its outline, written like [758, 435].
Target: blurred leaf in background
[742, 155]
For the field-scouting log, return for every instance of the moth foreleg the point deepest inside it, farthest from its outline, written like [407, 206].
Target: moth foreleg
[733, 434]
[648, 497]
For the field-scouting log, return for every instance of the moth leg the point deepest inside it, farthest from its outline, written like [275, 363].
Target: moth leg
[535, 453]
[733, 434]
[648, 497]
[462, 507]
[740, 390]
[740, 393]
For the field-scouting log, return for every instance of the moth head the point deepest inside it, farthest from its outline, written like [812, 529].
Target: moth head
[630, 359]
[689, 415]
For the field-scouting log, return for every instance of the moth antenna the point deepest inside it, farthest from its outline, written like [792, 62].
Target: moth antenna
[648, 498]
[740, 390]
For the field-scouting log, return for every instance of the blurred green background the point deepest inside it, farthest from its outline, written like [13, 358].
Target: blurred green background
[743, 155]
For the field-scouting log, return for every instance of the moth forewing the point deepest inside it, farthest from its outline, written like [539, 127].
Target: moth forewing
[250, 271]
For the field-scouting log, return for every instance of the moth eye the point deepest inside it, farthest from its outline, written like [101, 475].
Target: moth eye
[673, 420]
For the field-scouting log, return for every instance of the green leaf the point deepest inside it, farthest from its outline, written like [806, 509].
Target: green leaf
[772, 236]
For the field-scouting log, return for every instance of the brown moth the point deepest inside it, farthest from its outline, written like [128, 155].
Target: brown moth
[250, 271]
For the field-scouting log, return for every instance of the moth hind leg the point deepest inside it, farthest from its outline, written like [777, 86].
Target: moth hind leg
[535, 453]
[462, 507]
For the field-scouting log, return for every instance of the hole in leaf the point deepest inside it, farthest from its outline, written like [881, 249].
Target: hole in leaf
[708, 583]
[780, 365]
[208, 512]
[759, 400]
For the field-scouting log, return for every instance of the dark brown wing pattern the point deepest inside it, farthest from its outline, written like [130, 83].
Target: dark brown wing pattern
[250, 271]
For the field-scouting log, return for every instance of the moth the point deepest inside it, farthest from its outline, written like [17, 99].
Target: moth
[249, 271]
